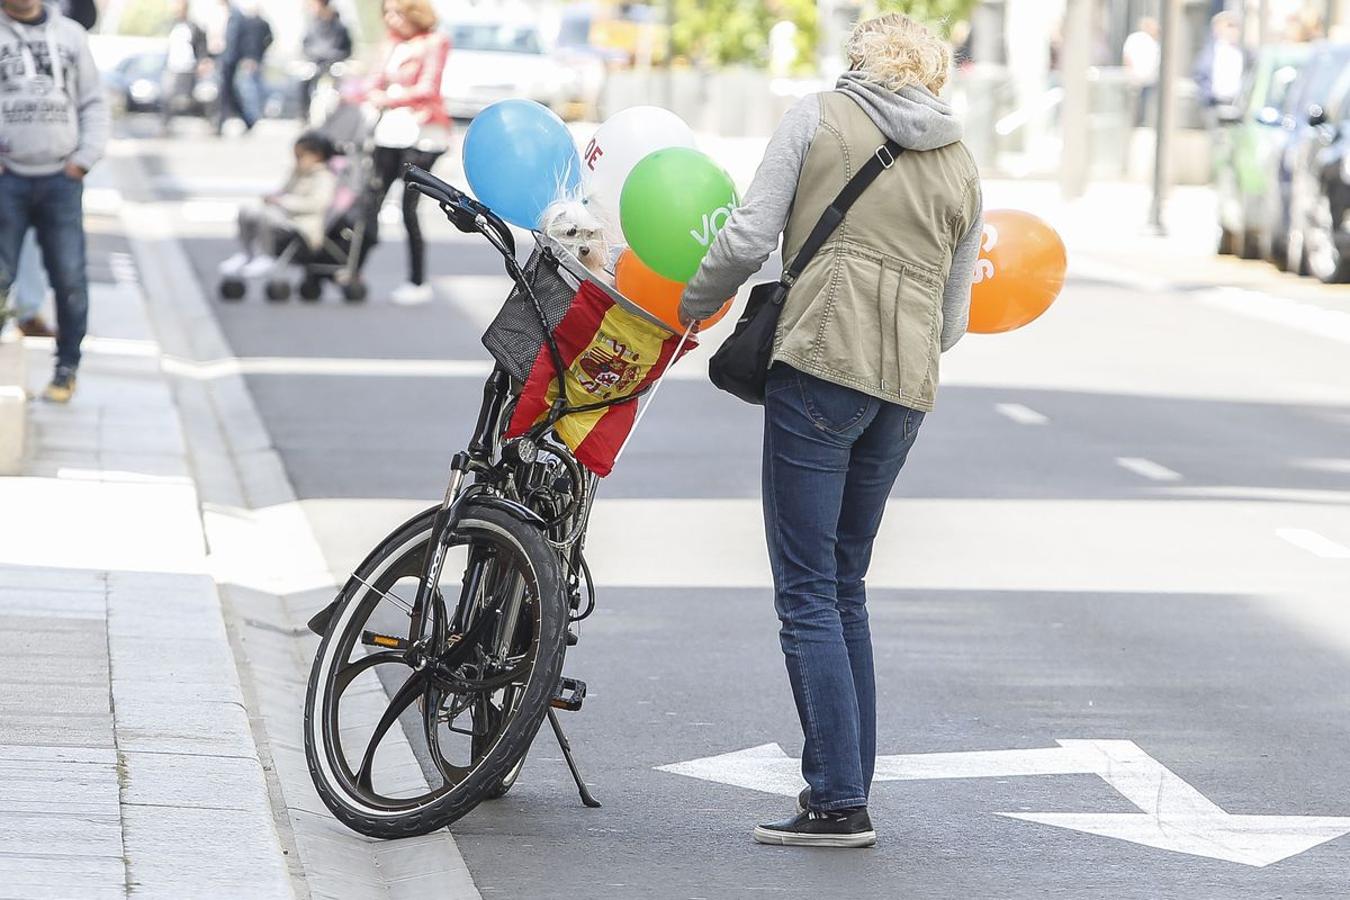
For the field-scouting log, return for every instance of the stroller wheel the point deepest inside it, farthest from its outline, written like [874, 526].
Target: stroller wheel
[311, 289]
[232, 289]
[354, 292]
[278, 290]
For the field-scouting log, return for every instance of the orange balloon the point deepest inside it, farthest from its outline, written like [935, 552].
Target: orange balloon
[1019, 274]
[657, 295]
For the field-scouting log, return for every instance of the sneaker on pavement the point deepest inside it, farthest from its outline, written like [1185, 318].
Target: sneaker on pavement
[61, 388]
[231, 267]
[844, 828]
[257, 267]
[409, 294]
[35, 326]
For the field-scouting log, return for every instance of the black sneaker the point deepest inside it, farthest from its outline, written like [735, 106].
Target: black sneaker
[845, 828]
[804, 800]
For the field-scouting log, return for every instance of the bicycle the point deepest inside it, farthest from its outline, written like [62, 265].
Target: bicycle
[484, 670]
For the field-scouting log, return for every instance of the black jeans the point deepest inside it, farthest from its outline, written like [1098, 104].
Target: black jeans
[54, 206]
[389, 163]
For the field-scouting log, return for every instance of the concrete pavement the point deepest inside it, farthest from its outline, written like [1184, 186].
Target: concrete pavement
[128, 763]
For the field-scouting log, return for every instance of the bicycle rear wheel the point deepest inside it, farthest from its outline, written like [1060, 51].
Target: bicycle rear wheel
[416, 715]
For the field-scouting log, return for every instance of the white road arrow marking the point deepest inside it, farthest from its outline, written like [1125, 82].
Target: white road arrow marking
[1174, 816]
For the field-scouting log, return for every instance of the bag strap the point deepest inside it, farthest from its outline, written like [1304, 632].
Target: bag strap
[883, 158]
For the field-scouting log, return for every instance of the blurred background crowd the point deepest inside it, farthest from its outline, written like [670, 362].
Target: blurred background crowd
[1069, 90]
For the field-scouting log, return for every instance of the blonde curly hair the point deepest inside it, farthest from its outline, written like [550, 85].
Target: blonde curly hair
[897, 52]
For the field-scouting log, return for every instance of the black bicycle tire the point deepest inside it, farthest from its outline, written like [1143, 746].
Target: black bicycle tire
[514, 742]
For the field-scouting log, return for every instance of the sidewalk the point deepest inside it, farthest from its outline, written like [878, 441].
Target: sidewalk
[128, 761]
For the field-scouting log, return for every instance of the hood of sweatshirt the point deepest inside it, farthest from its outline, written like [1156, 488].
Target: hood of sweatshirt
[912, 117]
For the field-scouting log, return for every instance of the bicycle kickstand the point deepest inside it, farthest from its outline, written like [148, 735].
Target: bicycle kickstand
[586, 799]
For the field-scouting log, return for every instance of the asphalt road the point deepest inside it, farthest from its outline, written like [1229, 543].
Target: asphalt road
[1121, 523]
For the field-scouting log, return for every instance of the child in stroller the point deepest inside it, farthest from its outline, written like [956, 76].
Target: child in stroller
[311, 222]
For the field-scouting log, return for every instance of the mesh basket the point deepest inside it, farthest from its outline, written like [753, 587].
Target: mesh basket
[515, 335]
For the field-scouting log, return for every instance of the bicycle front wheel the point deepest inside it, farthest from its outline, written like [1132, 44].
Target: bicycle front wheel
[416, 714]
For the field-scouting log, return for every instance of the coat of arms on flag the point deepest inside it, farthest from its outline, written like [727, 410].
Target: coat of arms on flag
[609, 354]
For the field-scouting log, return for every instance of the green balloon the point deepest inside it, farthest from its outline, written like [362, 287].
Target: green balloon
[673, 204]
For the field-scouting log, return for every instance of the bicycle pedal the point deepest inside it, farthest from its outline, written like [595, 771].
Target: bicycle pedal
[569, 695]
[389, 642]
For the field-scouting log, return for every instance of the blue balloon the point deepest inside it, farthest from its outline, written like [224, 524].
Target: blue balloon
[519, 157]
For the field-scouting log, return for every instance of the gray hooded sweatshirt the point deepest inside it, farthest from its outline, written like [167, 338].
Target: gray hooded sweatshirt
[913, 117]
[49, 115]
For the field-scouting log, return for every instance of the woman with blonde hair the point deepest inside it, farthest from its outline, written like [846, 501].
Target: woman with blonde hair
[855, 367]
[414, 126]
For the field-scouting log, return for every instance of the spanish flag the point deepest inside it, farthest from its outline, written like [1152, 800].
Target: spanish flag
[610, 353]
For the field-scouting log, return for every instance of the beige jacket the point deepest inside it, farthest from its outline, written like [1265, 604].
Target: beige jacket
[890, 289]
[306, 199]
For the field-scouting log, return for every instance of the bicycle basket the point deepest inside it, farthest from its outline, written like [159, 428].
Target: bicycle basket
[515, 335]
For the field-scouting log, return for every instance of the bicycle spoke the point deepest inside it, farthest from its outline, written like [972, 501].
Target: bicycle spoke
[348, 673]
[402, 699]
[431, 729]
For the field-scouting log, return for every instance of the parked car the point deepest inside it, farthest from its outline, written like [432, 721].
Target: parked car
[1320, 189]
[495, 58]
[137, 86]
[1312, 94]
[1250, 141]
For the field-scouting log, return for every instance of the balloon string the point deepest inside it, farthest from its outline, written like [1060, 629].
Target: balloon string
[651, 395]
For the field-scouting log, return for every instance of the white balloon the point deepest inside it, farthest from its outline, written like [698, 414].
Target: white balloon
[618, 146]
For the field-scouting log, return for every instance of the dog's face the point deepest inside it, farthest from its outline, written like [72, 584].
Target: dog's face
[571, 224]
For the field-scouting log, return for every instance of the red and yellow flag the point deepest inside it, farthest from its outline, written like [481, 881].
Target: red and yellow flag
[610, 353]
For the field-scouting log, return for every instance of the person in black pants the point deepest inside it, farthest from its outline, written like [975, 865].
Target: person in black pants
[326, 43]
[413, 124]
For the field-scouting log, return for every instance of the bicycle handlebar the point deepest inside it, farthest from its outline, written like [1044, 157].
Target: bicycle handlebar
[465, 213]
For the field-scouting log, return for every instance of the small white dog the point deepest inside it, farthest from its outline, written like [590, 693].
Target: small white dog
[574, 226]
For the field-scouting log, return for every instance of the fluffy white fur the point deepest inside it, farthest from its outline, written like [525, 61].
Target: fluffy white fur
[574, 226]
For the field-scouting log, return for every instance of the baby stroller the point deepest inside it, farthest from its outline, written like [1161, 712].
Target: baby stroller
[345, 246]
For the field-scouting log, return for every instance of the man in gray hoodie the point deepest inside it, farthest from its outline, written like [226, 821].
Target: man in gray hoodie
[53, 128]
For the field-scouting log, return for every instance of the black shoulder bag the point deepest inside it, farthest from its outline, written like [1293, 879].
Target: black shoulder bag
[741, 365]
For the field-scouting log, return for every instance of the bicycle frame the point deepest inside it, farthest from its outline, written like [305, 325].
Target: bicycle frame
[485, 458]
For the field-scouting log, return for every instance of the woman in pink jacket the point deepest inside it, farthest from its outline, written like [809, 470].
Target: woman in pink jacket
[413, 127]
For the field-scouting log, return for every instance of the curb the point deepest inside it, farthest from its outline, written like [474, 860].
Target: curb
[271, 576]
[13, 406]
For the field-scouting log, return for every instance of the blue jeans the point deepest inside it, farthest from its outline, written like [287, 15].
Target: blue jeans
[831, 456]
[53, 205]
[30, 284]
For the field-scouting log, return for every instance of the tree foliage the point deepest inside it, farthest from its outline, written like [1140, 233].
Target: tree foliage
[735, 32]
[943, 15]
[732, 32]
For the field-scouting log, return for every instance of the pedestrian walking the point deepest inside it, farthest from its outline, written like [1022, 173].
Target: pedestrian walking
[1220, 67]
[185, 60]
[29, 290]
[242, 91]
[31, 286]
[1142, 58]
[296, 212]
[55, 130]
[326, 43]
[855, 370]
[414, 126]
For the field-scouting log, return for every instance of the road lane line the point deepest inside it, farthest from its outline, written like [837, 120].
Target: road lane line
[1314, 543]
[1309, 318]
[1020, 414]
[1147, 468]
